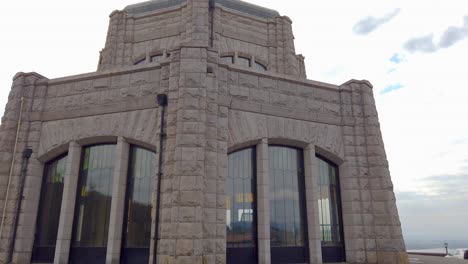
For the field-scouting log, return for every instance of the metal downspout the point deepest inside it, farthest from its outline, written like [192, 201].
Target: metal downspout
[11, 168]
[162, 101]
[212, 8]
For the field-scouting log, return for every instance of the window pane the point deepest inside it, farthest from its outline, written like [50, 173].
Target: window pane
[140, 62]
[156, 58]
[94, 197]
[329, 214]
[51, 201]
[259, 66]
[140, 189]
[240, 214]
[243, 61]
[227, 59]
[286, 197]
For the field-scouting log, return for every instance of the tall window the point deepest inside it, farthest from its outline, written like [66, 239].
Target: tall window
[240, 207]
[330, 212]
[137, 224]
[287, 205]
[49, 211]
[93, 204]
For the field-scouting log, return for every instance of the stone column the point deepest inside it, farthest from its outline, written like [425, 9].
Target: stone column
[190, 201]
[32, 183]
[311, 191]
[112, 54]
[156, 190]
[291, 62]
[372, 227]
[222, 160]
[24, 135]
[263, 203]
[67, 211]
[119, 183]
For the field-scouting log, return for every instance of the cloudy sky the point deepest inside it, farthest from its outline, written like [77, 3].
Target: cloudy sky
[414, 52]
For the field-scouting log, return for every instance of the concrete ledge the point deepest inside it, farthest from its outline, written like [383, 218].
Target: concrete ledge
[302, 115]
[283, 77]
[124, 106]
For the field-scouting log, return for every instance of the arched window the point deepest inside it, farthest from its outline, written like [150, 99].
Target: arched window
[241, 213]
[156, 58]
[243, 61]
[140, 61]
[329, 205]
[137, 219]
[93, 204]
[287, 206]
[259, 66]
[49, 211]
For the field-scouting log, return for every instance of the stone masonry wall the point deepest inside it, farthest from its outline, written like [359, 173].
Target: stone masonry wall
[26, 88]
[57, 112]
[270, 41]
[130, 37]
[242, 34]
[376, 230]
[213, 109]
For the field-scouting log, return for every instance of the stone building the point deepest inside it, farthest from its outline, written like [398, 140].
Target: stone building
[197, 140]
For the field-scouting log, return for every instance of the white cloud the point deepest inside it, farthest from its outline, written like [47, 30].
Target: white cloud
[369, 24]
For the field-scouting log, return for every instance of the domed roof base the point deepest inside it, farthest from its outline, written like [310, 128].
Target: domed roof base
[238, 5]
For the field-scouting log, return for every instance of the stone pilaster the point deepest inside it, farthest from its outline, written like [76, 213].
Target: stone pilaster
[311, 191]
[222, 160]
[119, 183]
[263, 203]
[156, 190]
[291, 62]
[15, 134]
[279, 45]
[67, 211]
[188, 230]
[369, 201]
[32, 182]
[112, 54]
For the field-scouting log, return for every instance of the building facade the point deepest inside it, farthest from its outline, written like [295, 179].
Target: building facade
[197, 140]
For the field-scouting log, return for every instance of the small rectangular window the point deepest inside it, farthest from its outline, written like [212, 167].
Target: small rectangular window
[227, 59]
[156, 58]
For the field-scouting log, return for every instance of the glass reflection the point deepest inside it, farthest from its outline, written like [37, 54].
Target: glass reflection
[51, 201]
[240, 215]
[328, 202]
[286, 198]
[140, 189]
[94, 196]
